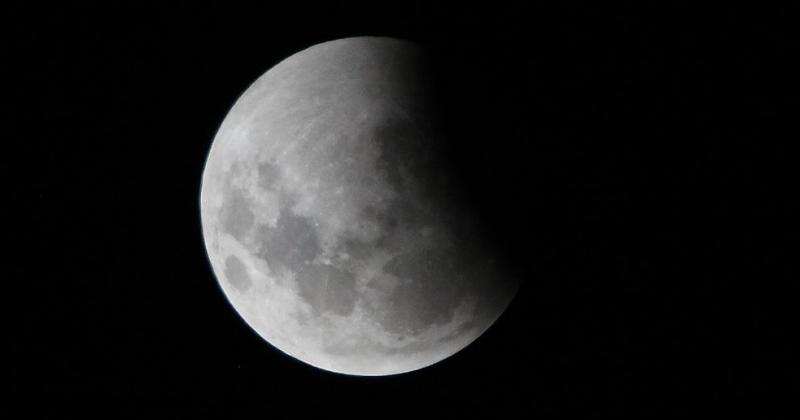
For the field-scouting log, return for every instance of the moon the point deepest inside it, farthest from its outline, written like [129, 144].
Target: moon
[331, 223]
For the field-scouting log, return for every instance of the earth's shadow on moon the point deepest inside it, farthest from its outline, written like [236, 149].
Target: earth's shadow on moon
[485, 147]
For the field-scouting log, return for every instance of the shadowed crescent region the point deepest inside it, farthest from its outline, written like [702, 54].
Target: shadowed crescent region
[329, 219]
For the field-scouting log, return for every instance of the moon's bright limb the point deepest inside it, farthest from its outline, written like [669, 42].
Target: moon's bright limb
[327, 219]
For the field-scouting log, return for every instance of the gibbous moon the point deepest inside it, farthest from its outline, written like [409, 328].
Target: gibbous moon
[331, 224]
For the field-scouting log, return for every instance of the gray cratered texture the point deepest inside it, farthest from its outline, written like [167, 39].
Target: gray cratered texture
[329, 221]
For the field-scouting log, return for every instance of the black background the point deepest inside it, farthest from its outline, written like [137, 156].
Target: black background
[634, 160]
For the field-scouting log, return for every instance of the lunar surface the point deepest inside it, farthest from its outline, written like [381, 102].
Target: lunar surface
[331, 224]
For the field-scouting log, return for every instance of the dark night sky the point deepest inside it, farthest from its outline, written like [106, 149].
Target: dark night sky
[634, 160]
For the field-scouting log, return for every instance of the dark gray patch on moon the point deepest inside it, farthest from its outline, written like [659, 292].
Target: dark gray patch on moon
[268, 175]
[399, 144]
[327, 288]
[292, 242]
[411, 160]
[236, 216]
[430, 291]
[386, 220]
[236, 273]
[356, 249]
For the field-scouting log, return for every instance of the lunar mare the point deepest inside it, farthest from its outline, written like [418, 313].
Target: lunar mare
[329, 220]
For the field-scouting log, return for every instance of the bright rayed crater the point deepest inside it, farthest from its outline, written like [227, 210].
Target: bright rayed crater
[331, 223]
